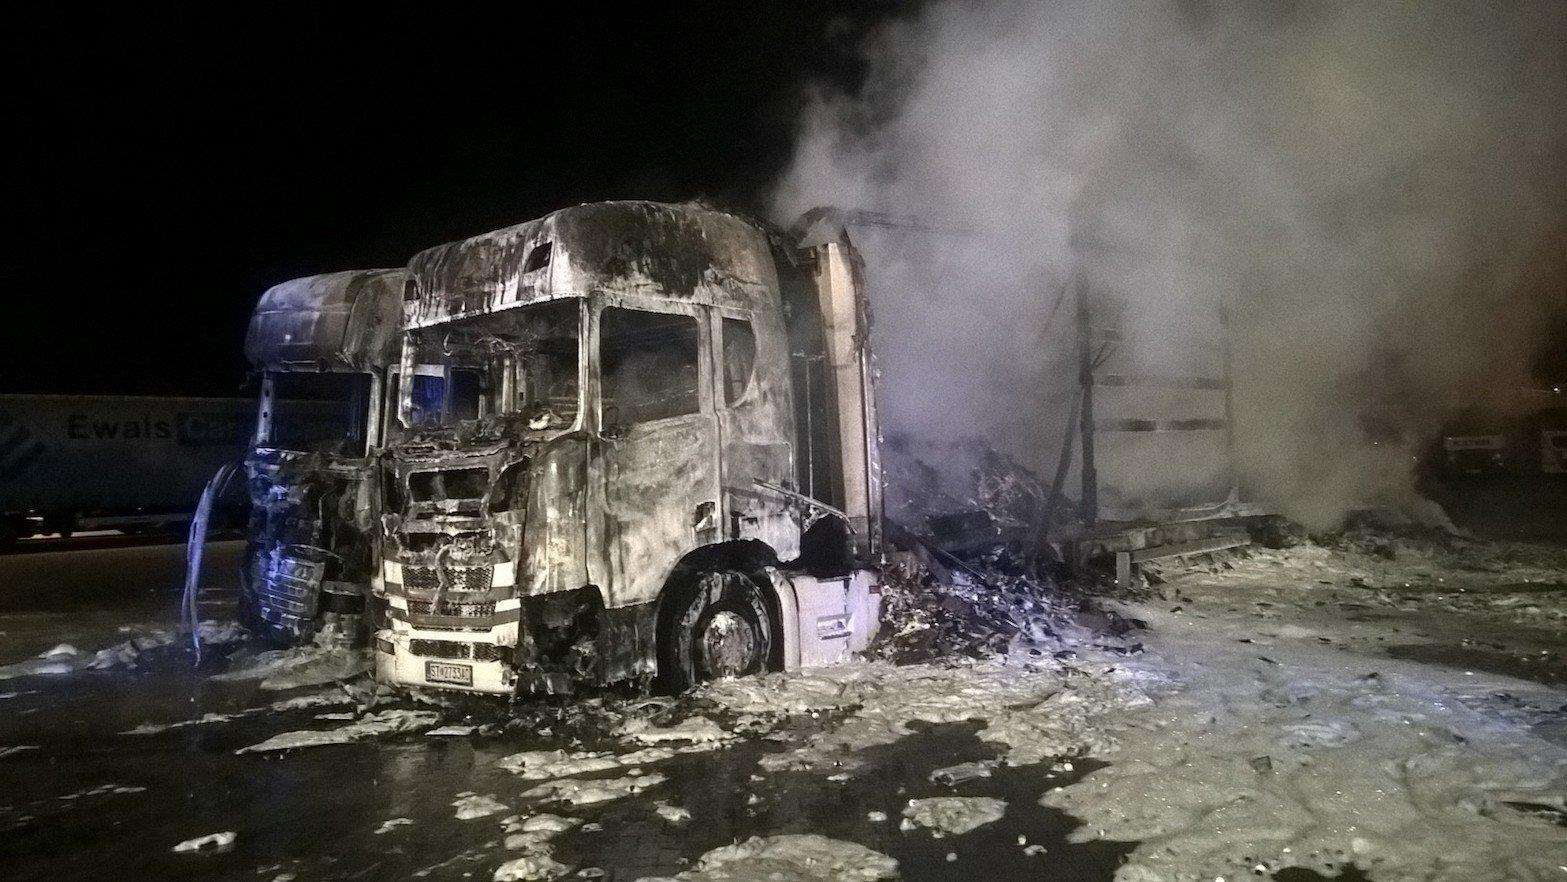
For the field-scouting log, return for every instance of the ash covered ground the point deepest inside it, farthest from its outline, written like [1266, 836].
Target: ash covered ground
[1385, 702]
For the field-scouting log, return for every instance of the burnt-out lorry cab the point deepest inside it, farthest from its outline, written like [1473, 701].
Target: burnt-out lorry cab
[636, 443]
[324, 346]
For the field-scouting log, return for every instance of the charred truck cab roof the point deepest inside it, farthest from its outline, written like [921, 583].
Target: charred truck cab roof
[323, 345]
[345, 322]
[602, 410]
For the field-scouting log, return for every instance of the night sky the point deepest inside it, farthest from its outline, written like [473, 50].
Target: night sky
[168, 166]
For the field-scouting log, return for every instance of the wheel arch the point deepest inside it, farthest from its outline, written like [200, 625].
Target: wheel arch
[752, 557]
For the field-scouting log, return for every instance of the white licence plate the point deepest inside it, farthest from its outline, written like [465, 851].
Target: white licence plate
[446, 672]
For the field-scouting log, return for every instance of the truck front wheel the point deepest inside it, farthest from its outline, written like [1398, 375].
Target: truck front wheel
[719, 627]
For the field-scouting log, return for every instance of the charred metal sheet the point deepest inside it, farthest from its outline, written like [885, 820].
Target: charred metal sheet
[312, 531]
[339, 321]
[661, 501]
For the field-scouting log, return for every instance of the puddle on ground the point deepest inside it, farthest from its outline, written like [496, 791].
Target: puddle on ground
[1544, 811]
[1518, 588]
[717, 789]
[314, 812]
[1549, 669]
[1350, 873]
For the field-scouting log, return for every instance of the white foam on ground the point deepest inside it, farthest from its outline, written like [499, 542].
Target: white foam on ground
[301, 666]
[1319, 758]
[531, 834]
[103, 790]
[212, 843]
[578, 791]
[1038, 709]
[446, 731]
[203, 720]
[301, 702]
[540, 765]
[387, 722]
[693, 730]
[672, 814]
[67, 659]
[954, 814]
[477, 806]
[530, 867]
[543, 765]
[793, 857]
[963, 772]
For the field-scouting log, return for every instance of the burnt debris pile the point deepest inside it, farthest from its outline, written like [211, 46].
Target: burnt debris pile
[929, 610]
[973, 574]
[979, 501]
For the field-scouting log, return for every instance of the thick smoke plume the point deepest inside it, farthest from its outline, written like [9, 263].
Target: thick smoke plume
[1375, 191]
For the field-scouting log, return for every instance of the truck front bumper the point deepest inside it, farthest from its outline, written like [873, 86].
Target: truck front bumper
[467, 661]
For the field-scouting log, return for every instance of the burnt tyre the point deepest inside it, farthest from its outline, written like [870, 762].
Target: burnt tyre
[718, 627]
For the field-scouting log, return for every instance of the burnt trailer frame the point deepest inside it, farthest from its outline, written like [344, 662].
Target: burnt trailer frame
[311, 540]
[1205, 408]
[591, 538]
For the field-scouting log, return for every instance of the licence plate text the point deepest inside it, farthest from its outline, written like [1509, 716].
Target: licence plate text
[446, 672]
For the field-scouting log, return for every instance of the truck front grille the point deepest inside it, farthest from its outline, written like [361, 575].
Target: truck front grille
[457, 578]
[452, 649]
[448, 608]
[420, 578]
[438, 648]
[284, 589]
[487, 652]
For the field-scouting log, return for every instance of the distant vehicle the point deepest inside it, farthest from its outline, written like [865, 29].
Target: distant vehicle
[323, 345]
[1553, 451]
[1474, 454]
[86, 462]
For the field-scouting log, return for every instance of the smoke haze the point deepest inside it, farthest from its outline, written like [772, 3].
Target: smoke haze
[1376, 191]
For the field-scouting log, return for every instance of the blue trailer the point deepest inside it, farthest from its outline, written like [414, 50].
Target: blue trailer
[82, 462]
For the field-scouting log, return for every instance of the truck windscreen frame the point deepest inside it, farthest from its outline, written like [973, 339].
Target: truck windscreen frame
[316, 411]
[522, 365]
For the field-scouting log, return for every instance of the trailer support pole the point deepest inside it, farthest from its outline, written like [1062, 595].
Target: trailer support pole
[1085, 374]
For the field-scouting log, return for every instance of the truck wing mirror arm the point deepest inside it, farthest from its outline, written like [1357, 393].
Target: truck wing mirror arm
[800, 498]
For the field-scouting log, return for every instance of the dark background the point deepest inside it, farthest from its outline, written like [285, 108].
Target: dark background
[169, 165]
